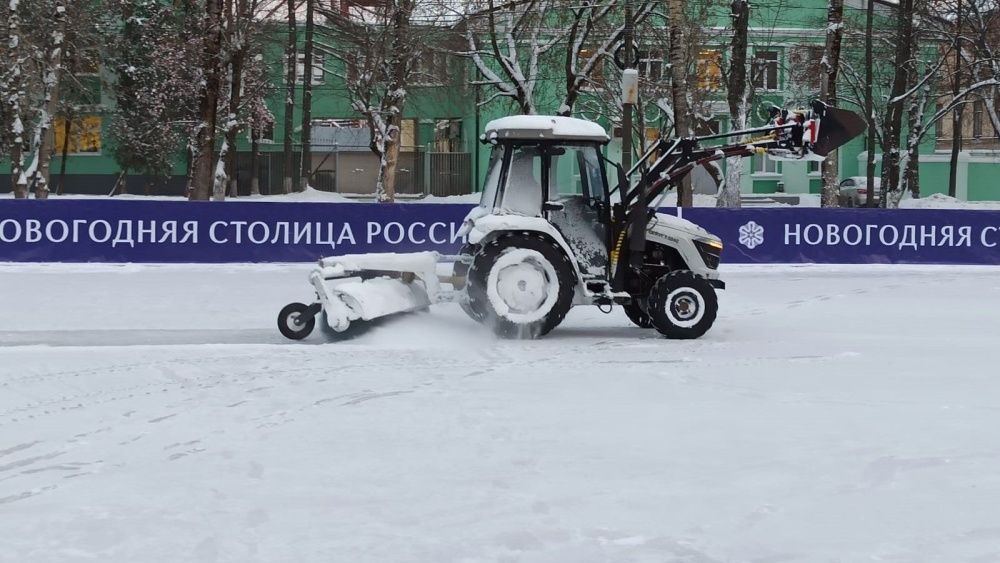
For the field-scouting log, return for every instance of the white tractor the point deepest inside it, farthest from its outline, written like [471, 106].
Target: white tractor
[550, 232]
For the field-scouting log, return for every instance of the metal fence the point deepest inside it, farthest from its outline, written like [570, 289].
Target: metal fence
[354, 172]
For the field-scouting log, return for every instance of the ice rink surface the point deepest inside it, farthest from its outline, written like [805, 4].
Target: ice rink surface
[154, 414]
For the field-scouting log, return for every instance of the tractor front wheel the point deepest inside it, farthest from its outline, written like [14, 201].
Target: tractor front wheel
[682, 305]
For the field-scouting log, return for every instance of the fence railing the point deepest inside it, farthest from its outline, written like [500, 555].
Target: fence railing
[355, 172]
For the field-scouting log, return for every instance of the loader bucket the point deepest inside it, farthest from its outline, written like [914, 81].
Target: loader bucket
[837, 127]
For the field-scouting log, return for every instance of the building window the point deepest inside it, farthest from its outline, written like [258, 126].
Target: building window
[83, 86]
[318, 76]
[762, 164]
[806, 60]
[84, 135]
[708, 69]
[651, 65]
[408, 134]
[431, 69]
[812, 166]
[977, 119]
[764, 71]
[447, 135]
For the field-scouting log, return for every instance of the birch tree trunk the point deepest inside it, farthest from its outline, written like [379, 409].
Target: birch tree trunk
[17, 179]
[915, 125]
[399, 58]
[737, 97]
[831, 68]
[915, 129]
[50, 100]
[239, 53]
[385, 188]
[679, 89]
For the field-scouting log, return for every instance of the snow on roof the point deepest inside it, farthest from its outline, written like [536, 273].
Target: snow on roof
[545, 127]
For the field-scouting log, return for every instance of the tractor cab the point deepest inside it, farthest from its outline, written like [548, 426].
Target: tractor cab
[550, 168]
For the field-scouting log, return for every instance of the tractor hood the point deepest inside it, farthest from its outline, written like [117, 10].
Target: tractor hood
[673, 227]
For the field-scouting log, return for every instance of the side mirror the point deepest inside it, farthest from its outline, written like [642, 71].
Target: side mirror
[552, 206]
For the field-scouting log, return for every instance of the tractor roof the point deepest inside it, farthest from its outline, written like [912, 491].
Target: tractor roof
[545, 127]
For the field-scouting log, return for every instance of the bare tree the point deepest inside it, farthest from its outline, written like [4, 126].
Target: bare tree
[201, 181]
[956, 85]
[679, 88]
[380, 53]
[593, 40]
[903, 64]
[831, 70]
[290, 68]
[307, 74]
[241, 57]
[983, 58]
[737, 96]
[498, 55]
[42, 142]
[515, 45]
[14, 91]
[869, 104]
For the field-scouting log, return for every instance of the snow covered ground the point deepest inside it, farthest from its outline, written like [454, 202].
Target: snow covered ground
[154, 414]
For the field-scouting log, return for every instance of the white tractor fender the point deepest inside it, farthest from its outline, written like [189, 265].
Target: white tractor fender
[484, 226]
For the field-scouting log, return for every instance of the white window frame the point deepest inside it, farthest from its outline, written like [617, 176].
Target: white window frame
[765, 63]
[760, 164]
[318, 73]
[429, 76]
[648, 60]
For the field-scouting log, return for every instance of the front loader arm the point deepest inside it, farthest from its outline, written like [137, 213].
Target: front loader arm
[790, 135]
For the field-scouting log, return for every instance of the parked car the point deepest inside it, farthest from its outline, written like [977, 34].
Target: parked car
[854, 191]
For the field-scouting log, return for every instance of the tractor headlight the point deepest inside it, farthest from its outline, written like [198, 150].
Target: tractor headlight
[710, 250]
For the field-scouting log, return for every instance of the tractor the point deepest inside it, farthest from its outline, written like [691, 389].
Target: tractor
[552, 232]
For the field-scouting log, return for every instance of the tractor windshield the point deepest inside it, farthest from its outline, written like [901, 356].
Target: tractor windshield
[492, 184]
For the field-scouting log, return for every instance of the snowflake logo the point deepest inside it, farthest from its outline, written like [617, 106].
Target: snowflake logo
[751, 235]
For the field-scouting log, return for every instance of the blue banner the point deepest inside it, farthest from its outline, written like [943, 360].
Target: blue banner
[853, 236]
[208, 232]
[215, 232]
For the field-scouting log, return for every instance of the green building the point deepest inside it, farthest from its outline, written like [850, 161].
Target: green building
[443, 118]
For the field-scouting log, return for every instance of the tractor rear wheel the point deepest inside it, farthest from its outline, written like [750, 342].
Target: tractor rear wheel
[682, 305]
[461, 270]
[523, 284]
[636, 314]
